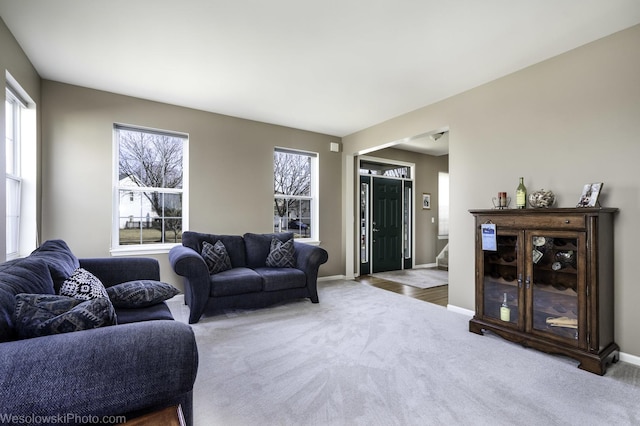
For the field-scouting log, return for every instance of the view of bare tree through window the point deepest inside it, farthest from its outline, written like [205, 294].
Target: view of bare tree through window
[150, 172]
[292, 188]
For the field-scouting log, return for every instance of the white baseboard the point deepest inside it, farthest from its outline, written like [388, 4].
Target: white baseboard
[335, 277]
[631, 359]
[460, 310]
[426, 265]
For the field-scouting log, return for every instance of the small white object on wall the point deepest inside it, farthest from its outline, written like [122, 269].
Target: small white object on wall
[334, 147]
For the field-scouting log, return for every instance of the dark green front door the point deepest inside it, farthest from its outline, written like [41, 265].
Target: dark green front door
[386, 226]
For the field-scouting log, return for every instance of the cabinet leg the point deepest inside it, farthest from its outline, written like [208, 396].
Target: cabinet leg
[475, 328]
[599, 366]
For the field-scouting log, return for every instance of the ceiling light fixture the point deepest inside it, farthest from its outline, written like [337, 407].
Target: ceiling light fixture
[434, 137]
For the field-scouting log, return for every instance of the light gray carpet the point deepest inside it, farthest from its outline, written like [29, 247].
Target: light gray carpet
[365, 356]
[417, 277]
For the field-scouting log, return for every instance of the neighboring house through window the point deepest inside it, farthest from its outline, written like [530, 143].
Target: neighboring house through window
[150, 189]
[295, 187]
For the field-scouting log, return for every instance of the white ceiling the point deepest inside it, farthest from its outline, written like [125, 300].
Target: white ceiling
[334, 67]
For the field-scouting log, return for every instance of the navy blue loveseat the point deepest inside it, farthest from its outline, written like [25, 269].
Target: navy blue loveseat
[249, 281]
[144, 363]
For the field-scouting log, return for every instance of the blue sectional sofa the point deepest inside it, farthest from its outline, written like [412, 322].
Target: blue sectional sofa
[144, 363]
[249, 280]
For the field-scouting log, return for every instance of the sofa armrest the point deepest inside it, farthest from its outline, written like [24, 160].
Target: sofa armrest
[308, 259]
[108, 371]
[116, 270]
[188, 263]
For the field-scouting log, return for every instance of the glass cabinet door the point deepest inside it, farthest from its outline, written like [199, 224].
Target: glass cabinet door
[500, 281]
[555, 284]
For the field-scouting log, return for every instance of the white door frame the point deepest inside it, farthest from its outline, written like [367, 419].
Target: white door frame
[353, 210]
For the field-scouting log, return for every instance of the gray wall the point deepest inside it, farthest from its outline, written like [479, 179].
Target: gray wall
[562, 123]
[230, 170]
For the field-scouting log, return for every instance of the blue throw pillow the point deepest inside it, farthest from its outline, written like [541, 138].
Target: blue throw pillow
[61, 261]
[24, 275]
[216, 257]
[282, 254]
[258, 247]
[38, 315]
[140, 293]
[83, 285]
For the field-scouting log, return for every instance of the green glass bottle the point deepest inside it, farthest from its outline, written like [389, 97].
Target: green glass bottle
[521, 195]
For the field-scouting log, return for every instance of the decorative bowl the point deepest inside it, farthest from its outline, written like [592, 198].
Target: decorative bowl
[542, 199]
[566, 257]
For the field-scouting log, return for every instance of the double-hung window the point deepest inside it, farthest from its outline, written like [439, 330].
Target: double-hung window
[13, 109]
[443, 205]
[295, 188]
[150, 189]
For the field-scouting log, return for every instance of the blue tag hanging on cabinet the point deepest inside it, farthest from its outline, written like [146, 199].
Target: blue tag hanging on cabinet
[489, 241]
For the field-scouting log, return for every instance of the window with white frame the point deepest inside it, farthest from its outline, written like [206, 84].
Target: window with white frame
[150, 187]
[13, 109]
[443, 205]
[295, 188]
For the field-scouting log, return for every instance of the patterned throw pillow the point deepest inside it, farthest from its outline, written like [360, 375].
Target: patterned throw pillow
[83, 285]
[216, 257]
[38, 315]
[140, 293]
[282, 254]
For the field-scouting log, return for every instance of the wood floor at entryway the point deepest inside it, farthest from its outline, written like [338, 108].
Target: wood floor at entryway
[438, 295]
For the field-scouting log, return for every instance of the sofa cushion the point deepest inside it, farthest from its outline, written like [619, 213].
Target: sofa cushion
[282, 255]
[83, 285]
[258, 247]
[140, 293]
[234, 244]
[7, 305]
[159, 311]
[27, 275]
[216, 257]
[61, 261]
[235, 281]
[275, 279]
[44, 314]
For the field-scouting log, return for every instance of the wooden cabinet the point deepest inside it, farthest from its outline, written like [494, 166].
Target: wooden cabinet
[549, 282]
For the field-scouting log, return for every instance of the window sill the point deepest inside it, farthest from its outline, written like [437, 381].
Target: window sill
[140, 250]
[136, 250]
[308, 241]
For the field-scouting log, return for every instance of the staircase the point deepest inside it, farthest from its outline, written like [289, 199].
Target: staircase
[442, 260]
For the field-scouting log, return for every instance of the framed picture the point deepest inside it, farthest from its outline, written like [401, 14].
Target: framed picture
[426, 201]
[590, 193]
